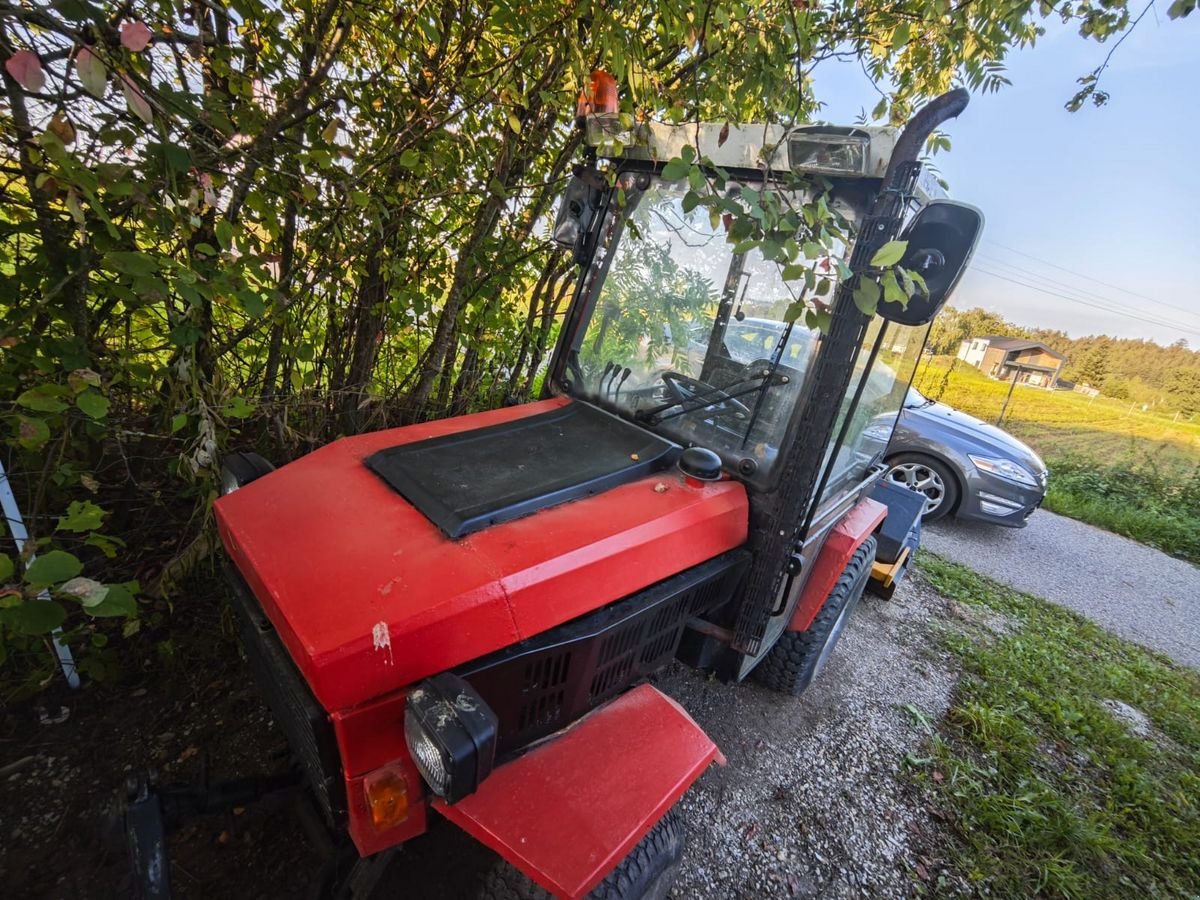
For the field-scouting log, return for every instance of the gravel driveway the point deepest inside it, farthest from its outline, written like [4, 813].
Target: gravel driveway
[1135, 591]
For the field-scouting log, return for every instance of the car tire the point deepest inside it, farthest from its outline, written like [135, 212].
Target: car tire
[645, 874]
[912, 470]
[799, 656]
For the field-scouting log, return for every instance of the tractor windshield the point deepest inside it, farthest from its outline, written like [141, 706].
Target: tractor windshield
[684, 332]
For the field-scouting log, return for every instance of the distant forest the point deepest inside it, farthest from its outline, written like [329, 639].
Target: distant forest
[1124, 368]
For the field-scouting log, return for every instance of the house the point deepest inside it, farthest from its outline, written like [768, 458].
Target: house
[1032, 362]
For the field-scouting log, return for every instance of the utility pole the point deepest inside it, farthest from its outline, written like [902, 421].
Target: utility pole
[1011, 386]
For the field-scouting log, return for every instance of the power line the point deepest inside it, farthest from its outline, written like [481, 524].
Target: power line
[1117, 309]
[1106, 309]
[1107, 284]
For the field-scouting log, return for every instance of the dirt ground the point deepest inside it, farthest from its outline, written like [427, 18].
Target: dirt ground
[814, 802]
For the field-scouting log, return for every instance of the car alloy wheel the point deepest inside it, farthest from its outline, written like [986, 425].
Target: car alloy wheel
[922, 479]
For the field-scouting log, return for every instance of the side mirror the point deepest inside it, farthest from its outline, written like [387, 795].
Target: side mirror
[941, 239]
[576, 211]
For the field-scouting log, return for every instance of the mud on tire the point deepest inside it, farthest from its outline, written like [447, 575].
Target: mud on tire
[645, 874]
[798, 656]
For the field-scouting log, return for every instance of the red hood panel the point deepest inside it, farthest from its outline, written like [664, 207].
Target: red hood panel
[369, 596]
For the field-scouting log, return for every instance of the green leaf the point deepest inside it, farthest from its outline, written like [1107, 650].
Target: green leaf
[224, 233]
[35, 617]
[1180, 9]
[866, 296]
[131, 262]
[93, 404]
[238, 408]
[178, 421]
[87, 591]
[409, 158]
[360, 198]
[50, 568]
[675, 170]
[6, 568]
[794, 271]
[824, 318]
[889, 254]
[892, 292]
[745, 246]
[43, 398]
[92, 72]
[792, 313]
[514, 123]
[32, 434]
[85, 516]
[117, 602]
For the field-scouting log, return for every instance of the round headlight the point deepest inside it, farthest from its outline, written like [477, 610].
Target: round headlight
[451, 735]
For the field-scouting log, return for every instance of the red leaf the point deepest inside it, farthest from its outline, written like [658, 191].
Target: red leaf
[26, 70]
[723, 136]
[135, 36]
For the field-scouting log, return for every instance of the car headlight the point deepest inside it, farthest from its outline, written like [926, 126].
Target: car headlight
[1004, 468]
[451, 735]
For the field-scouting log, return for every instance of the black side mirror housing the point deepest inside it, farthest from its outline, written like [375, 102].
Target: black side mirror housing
[576, 211]
[941, 240]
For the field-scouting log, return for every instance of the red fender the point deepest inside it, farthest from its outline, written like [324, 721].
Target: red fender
[568, 811]
[858, 525]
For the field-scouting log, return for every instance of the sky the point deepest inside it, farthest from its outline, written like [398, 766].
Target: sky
[1098, 205]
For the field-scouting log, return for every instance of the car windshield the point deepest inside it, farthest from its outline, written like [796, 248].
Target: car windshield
[647, 349]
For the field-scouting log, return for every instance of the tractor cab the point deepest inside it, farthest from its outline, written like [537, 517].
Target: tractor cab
[457, 617]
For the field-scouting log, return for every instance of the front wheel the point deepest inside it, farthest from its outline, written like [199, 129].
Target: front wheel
[645, 874]
[927, 476]
[798, 657]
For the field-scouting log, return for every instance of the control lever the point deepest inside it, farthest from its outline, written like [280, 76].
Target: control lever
[600, 382]
[624, 375]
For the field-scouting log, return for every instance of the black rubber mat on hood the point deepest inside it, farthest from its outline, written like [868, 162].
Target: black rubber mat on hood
[468, 481]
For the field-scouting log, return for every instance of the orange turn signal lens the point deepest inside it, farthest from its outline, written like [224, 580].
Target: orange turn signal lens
[386, 792]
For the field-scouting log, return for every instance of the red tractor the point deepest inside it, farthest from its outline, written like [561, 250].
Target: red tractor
[456, 618]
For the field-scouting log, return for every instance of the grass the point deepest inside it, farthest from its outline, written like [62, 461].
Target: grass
[1126, 470]
[1048, 792]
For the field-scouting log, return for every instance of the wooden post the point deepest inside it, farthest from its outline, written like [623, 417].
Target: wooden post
[1011, 386]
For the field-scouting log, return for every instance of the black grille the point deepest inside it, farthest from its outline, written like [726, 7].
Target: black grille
[296, 710]
[543, 684]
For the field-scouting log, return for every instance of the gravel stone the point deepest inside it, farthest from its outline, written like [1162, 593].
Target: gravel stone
[1137, 592]
[814, 801]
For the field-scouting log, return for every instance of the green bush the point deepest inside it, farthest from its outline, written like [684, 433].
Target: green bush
[1136, 499]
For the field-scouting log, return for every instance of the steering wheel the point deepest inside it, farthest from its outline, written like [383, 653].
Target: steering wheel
[685, 390]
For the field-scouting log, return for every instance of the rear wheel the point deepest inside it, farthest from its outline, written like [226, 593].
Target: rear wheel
[645, 874]
[927, 476]
[798, 657]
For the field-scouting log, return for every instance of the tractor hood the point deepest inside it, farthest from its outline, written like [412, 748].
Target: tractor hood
[370, 594]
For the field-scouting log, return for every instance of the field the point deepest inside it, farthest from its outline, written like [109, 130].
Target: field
[1115, 465]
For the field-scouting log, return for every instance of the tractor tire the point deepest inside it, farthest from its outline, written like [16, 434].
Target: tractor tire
[645, 874]
[799, 656]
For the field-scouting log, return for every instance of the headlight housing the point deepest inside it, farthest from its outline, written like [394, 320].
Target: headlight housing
[835, 151]
[1004, 468]
[451, 735]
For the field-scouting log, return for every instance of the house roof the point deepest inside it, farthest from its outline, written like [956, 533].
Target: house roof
[1008, 343]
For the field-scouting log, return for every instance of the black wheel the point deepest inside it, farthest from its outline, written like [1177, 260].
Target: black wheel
[240, 468]
[799, 656]
[645, 874]
[927, 476]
